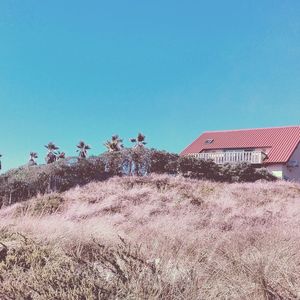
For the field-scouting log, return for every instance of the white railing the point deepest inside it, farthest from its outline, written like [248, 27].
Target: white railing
[251, 157]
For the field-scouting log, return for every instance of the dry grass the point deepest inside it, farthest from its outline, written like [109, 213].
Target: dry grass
[157, 237]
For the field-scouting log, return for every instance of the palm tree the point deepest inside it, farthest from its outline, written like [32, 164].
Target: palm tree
[33, 157]
[60, 155]
[0, 162]
[139, 140]
[115, 144]
[83, 149]
[52, 154]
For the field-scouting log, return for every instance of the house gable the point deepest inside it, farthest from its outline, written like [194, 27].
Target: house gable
[279, 142]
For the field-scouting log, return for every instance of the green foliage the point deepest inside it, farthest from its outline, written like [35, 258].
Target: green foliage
[68, 174]
[198, 169]
[29, 181]
[243, 173]
[83, 149]
[113, 162]
[115, 144]
[163, 162]
[139, 141]
[26, 182]
[139, 161]
[134, 161]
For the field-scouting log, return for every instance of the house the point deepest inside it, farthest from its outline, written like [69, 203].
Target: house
[277, 149]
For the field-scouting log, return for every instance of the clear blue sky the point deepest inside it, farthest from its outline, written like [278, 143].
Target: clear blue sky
[72, 70]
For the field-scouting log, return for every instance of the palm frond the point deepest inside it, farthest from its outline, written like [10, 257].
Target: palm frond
[115, 144]
[81, 145]
[33, 155]
[140, 137]
[51, 146]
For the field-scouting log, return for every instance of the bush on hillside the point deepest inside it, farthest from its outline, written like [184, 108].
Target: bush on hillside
[243, 173]
[79, 172]
[163, 162]
[198, 169]
[134, 161]
[26, 182]
[113, 163]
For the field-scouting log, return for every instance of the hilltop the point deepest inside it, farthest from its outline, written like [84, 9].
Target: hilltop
[28, 181]
[154, 237]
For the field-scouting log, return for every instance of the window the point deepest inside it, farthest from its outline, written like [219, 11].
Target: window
[209, 141]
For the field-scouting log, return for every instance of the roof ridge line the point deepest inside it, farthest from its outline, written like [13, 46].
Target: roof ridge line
[246, 129]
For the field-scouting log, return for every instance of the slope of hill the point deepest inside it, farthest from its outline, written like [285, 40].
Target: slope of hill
[156, 237]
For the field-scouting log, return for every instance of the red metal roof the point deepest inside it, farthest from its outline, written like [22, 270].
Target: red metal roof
[280, 141]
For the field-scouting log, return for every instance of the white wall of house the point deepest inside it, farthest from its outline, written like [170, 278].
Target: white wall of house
[288, 173]
[282, 171]
[293, 173]
[276, 170]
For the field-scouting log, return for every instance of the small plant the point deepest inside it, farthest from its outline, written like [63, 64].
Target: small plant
[52, 154]
[60, 155]
[33, 157]
[139, 141]
[115, 144]
[83, 149]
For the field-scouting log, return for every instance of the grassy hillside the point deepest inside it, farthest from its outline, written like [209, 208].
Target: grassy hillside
[156, 237]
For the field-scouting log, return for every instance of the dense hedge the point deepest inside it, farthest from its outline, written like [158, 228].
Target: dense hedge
[28, 181]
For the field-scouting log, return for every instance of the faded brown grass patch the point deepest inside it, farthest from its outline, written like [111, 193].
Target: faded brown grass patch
[156, 237]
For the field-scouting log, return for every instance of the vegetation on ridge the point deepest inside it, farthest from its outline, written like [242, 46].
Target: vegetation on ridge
[26, 182]
[61, 173]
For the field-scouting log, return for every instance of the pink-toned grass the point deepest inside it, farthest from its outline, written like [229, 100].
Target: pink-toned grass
[227, 241]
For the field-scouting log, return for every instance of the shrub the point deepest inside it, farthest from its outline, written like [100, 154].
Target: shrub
[26, 182]
[140, 161]
[198, 169]
[163, 162]
[79, 172]
[263, 174]
[113, 162]
[243, 173]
